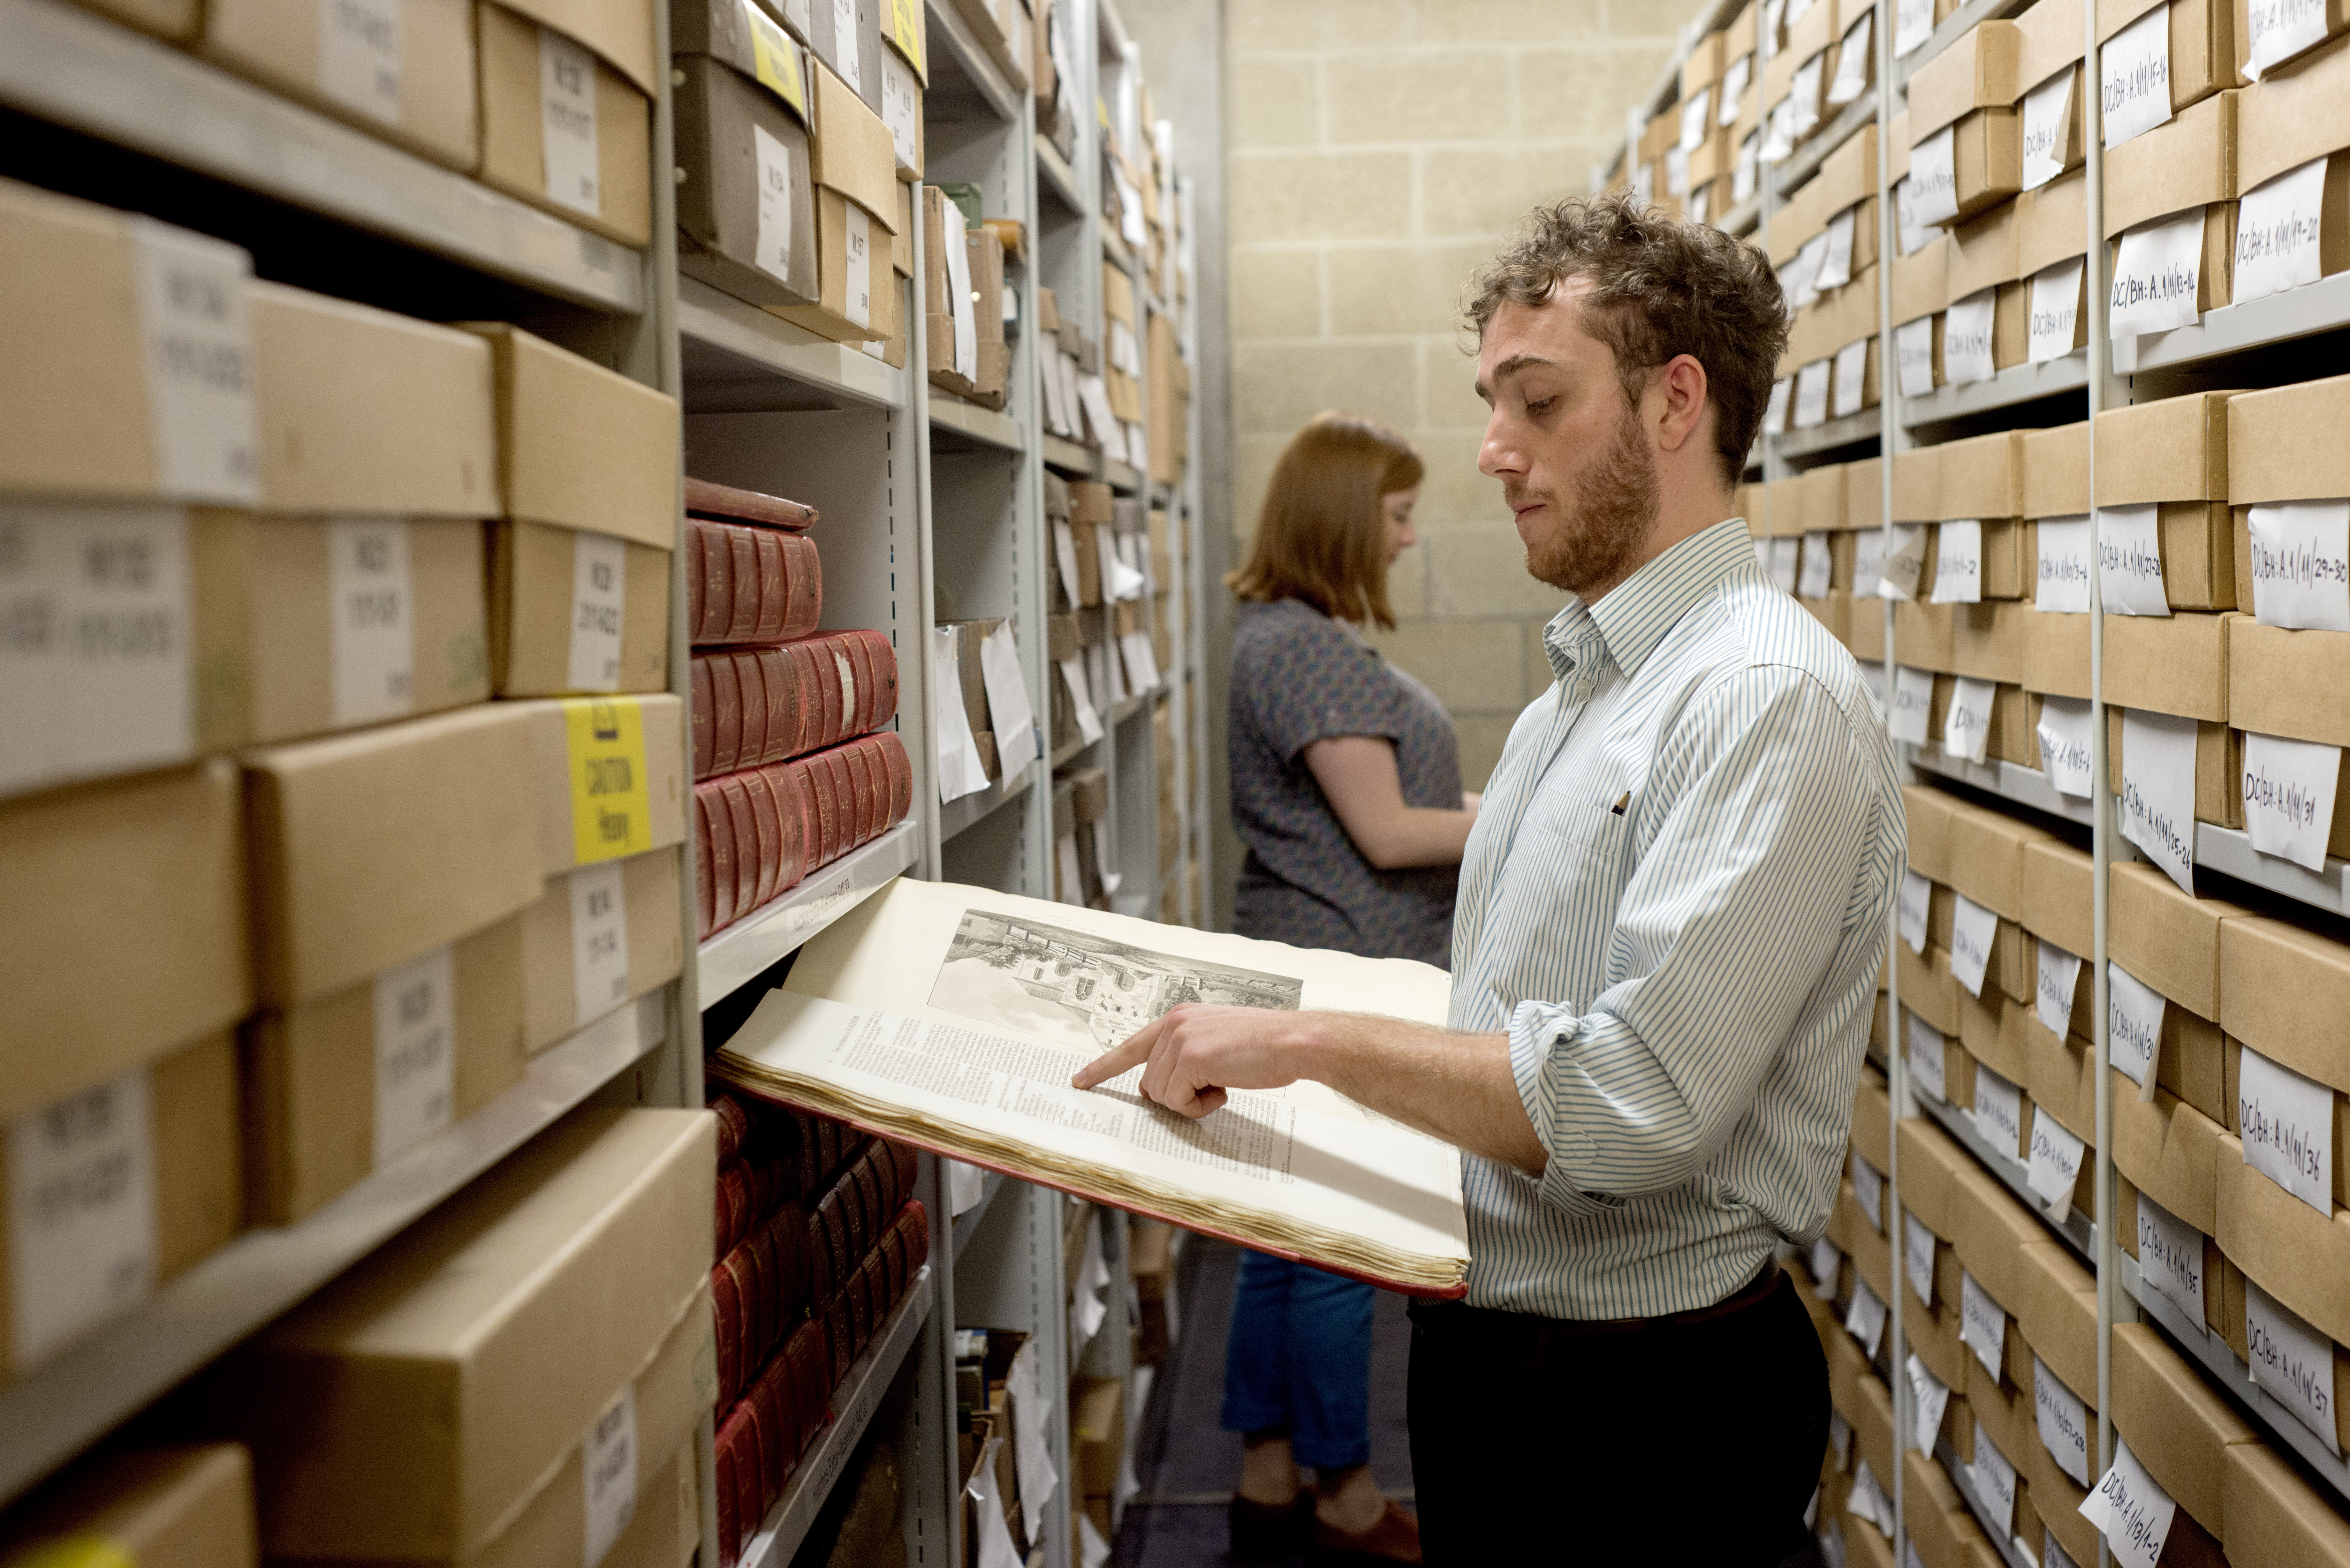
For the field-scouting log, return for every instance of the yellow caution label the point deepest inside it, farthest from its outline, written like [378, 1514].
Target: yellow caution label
[775, 58]
[1101, 111]
[611, 813]
[906, 24]
[74, 1552]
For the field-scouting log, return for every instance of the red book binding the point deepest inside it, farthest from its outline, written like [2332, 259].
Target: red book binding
[705, 498]
[758, 832]
[752, 707]
[746, 584]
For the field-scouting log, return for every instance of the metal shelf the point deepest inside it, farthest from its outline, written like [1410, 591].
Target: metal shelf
[748, 949]
[1079, 461]
[1805, 162]
[966, 1224]
[1114, 251]
[956, 816]
[2320, 306]
[1071, 753]
[954, 52]
[2025, 786]
[2002, 1542]
[2077, 1229]
[1851, 429]
[2229, 850]
[1059, 181]
[968, 420]
[80, 70]
[853, 1404]
[1121, 476]
[2016, 384]
[734, 354]
[59, 1408]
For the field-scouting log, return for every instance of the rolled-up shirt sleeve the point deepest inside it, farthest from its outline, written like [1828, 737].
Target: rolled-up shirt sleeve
[1731, 922]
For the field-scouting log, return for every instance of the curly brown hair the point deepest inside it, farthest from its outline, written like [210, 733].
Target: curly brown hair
[1657, 287]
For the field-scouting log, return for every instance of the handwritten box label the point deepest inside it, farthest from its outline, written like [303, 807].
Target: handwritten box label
[2157, 272]
[2130, 561]
[1934, 177]
[415, 1051]
[2063, 585]
[1966, 729]
[2159, 792]
[2063, 1422]
[2171, 1257]
[1973, 929]
[1982, 1323]
[1917, 1244]
[2137, 81]
[1966, 338]
[2133, 1012]
[2300, 564]
[82, 1226]
[567, 123]
[2047, 125]
[1913, 702]
[1995, 1479]
[1916, 901]
[370, 608]
[1958, 563]
[1913, 343]
[2288, 792]
[2292, 1363]
[2064, 744]
[2054, 1163]
[1864, 1318]
[1868, 1188]
[2286, 1122]
[2054, 311]
[2277, 227]
[2130, 1509]
[2058, 980]
[1999, 1112]
[1926, 1064]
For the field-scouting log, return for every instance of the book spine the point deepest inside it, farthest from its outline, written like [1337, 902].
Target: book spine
[750, 586]
[754, 707]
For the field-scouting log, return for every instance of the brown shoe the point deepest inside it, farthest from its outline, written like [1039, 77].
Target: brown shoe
[1268, 1532]
[1394, 1539]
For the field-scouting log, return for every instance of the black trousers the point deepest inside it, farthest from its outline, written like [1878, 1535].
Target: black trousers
[1667, 1441]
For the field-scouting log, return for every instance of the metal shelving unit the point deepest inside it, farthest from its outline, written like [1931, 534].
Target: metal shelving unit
[2075, 1227]
[2004, 1541]
[2016, 384]
[2009, 781]
[2229, 850]
[1832, 435]
[749, 948]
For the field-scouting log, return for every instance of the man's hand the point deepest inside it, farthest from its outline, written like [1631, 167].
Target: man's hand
[1194, 1053]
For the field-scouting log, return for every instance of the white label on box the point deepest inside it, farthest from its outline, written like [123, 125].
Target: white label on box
[1916, 900]
[1774, 412]
[1784, 562]
[1097, 831]
[567, 123]
[1966, 338]
[1928, 1397]
[2055, 311]
[1869, 1502]
[2047, 118]
[2291, 1361]
[774, 256]
[844, 45]
[95, 635]
[2159, 792]
[1072, 675]
[1913, 23]
[1733, 88]
[858, 248]
[1934, 177]
[1864, 1318]
[1141, 663]
[2133, 1012]
[2128, 1507]
[1918, 1257]
[1868, 564]
[2276, 231]
[600, 585]
[1009, 710]
[2064, 566]
[2286, 1122]
[1927, 1069]
[1812, 387]
[1852, 63]
[1913, 342]
[1744, 174]
[360, 56]
[1998, 1111]
[1826, 1262]
[1818, 568]
[1700, 206]
[1696, 115]
[1840, 1440]
[2055, 1164]
[1032, 1447]
[2063, 1422]
[2064, 744]
[966, 321]
[199, 357]
[1800, 280]
[2280, 29]
[2136, 78]
[2130, 561]
[1805, 96]
[2053, 1555]
[1958, 563]
[1910, 233]
[415, 1051]
[961, 771]
[2300, 564]
[608, 1463]
[1972, 930]
[1868, 1190]
[1851, 393]
[2289, 796]
[1898, 577]
[1068, 874]
[2156, 270]
[901, 109]
[82, 1213]
[1836, 251]
[1995, 1479]
[370, 619]
[2171, 1257]
[2058, 981]
[966, 1185]
[1065, 557]
[600, 941]
[1982, 1323]
[1676, 173]
[1913, 702]
[1966, 730]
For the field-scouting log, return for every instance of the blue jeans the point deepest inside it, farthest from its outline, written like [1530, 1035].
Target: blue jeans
[1299, 1359]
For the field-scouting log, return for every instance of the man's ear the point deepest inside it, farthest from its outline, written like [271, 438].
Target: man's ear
[1681, 391]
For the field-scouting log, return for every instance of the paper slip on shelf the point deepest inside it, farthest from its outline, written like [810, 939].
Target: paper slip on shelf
[952, 1017]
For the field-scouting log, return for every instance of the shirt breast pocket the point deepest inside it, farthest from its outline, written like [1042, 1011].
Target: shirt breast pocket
[1585, 819]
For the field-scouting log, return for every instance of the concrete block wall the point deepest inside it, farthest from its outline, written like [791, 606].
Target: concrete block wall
[1377, 150]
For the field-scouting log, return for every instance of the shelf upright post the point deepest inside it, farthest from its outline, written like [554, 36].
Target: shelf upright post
[923, 687]
[1031, 542]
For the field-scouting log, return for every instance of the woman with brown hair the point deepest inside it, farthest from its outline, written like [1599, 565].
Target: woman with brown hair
[1347, 787]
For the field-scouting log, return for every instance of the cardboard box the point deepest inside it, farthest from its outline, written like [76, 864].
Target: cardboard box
[358, 410]
[612, 198]
[576, 611]
[1917, 484]
[610, 776]
[159, 1507]
[176, 1121]
[2166, 938]
[2052, 223]
[2055, 470]
[1930, 813]
[1990, 1231]
[2274, 1516]
[2170, 1151]
[854, 165]
[371, 848]
[1977, 71]
[619, 31]
[2300, 1257]
[2169, 664]
[1928, 987]
[2280, 446]
[983, 263]
[1982, 252]
[124, 933]
[2190, 161]
[744, 147]
[2288, 683]
[1986, 641]
[1987, 851]
[1864, 493]
[580, 446]
[599, 936]
[2057, 889]
[519, 1308]
[1921, 634]
[414, 86]
[2301, 111]
[338, 1085]
[2048, 38]
[2204, 45]
[2276, 980]
[847, 38]
[1982, 477]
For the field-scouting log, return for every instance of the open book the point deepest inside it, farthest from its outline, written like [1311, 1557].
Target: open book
[952, 1018]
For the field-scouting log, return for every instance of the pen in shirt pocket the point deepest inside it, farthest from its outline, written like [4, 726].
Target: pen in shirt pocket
[1621, 802]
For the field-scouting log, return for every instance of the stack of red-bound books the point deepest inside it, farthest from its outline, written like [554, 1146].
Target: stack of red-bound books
[818, 1235]
[790, 766]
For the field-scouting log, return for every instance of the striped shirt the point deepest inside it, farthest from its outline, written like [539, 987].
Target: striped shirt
[1674, 902]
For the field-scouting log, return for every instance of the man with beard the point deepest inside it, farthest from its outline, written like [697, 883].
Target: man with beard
[1671, 913]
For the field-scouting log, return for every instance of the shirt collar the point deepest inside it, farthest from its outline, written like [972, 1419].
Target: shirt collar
[1632, 617]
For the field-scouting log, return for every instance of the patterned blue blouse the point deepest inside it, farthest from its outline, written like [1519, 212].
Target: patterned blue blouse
[1298, 676]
